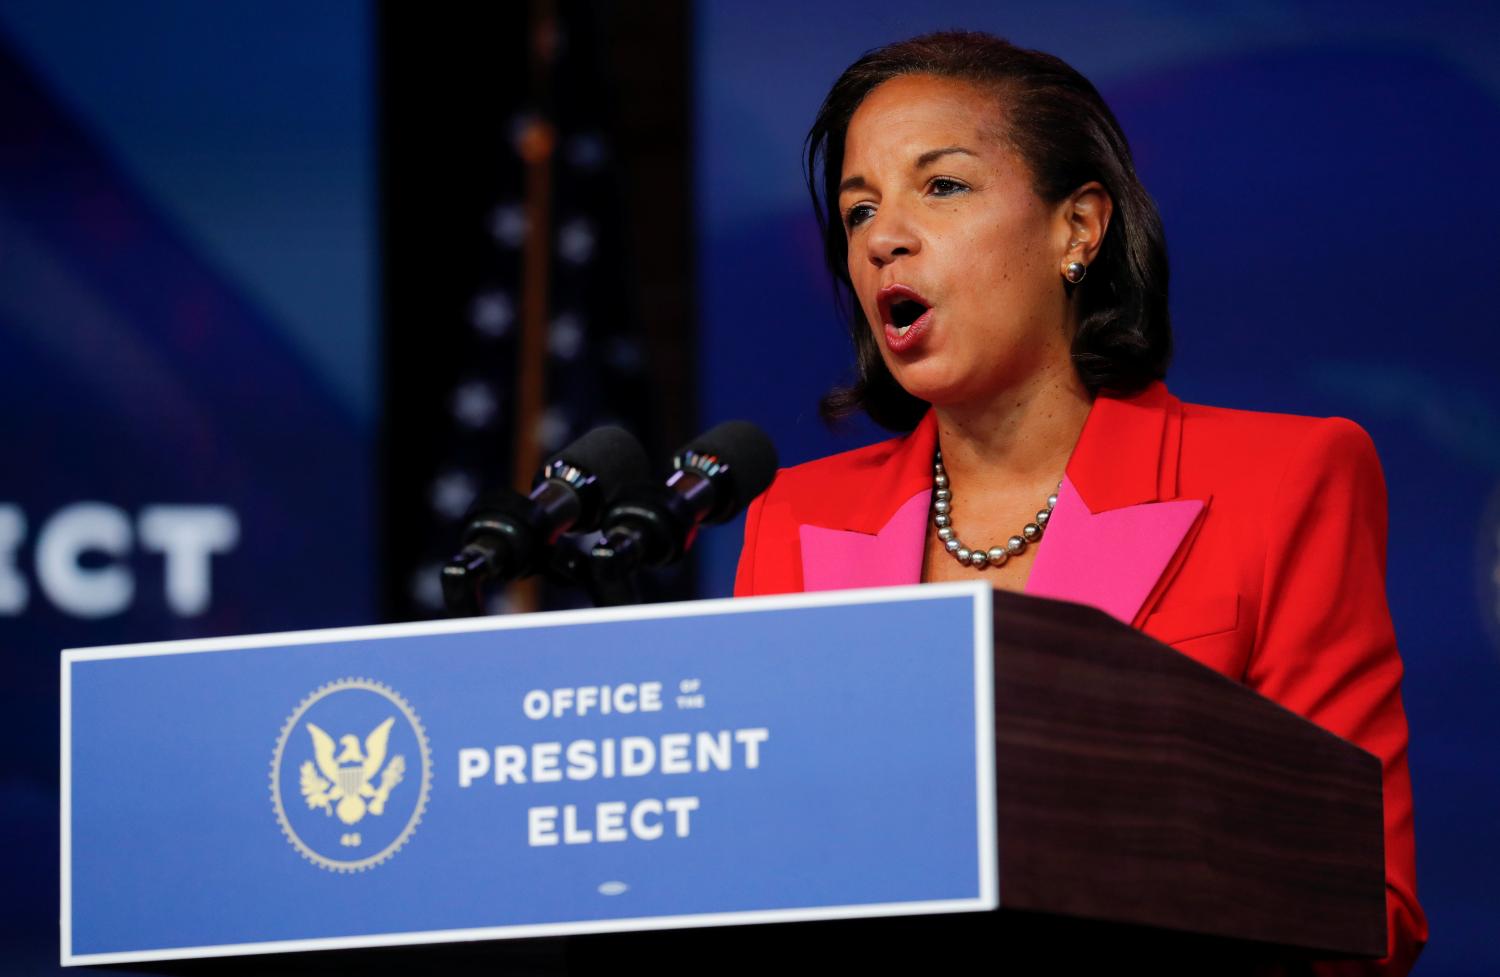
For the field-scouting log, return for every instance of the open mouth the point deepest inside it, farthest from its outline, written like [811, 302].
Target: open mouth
[901, 308]
[905, 312]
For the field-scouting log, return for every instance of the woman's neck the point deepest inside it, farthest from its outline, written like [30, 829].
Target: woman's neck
[1022, 434]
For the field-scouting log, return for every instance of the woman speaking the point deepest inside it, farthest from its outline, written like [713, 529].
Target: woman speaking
[1007, 283]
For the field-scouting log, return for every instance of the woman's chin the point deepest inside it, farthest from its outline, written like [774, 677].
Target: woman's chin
[957, 380]
[937, 389]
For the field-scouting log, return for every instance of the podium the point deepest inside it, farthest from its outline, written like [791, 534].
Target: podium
[879, 778]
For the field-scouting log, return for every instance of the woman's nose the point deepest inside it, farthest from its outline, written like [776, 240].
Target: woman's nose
[890, 236]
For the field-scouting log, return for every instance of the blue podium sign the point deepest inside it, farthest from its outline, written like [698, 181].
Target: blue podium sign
[708, 763]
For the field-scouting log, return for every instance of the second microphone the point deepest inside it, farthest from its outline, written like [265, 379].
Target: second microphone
[715, 476]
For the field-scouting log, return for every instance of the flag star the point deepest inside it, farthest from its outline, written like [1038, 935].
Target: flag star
[475, 404]
[427, 587]
[575, 241]
[508, 225]
[586, 151]
[553, 428]
[565, 339]
[626, 356]
[452, 492]
[492, 314]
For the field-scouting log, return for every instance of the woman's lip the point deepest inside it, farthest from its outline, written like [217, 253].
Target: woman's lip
[900, 342]
[896, 340]
[896, 292]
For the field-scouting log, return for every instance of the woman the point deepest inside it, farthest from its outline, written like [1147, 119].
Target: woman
[1007, 279]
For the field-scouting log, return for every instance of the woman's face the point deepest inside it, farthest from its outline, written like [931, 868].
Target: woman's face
[954, 259]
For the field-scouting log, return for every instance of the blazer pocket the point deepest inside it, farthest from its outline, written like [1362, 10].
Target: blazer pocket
[1200, 618]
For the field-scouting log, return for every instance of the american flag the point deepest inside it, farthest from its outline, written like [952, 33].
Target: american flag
[513, 315]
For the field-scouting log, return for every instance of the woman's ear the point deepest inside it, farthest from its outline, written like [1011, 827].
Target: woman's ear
[1086, 212]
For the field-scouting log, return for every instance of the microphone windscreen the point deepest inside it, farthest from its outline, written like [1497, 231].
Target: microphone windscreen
[612, 455]
[750, 458]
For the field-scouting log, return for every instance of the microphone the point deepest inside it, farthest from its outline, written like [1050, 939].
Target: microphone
[715, 476]
[507, 536]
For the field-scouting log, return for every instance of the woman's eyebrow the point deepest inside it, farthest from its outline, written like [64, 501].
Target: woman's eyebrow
[926, 159]
[852, 183]
[933, 155]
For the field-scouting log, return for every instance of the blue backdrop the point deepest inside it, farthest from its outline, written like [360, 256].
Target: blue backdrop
[1320, 171]
[187, 338]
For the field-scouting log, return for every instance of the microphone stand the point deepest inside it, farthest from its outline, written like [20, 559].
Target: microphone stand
[569, 562]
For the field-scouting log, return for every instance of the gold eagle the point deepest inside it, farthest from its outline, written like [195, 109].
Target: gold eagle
[346, 780]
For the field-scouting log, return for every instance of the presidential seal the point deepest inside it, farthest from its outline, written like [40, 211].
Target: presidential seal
[350, 775]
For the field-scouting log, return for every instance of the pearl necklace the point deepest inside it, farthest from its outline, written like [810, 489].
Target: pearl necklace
[942, 505]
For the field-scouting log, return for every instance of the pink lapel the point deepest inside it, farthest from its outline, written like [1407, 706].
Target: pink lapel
[1110, 560]
[1117, 524]
[1118, 521]
[838, 559]
[872, 533]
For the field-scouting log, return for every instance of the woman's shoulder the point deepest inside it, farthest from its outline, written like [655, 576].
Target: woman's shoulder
[1265, 424]
[1271, 448]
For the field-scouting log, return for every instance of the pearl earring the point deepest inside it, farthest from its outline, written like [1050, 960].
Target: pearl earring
[1075, 271]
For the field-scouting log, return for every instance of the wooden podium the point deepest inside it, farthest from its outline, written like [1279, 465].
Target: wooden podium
[1151, 814]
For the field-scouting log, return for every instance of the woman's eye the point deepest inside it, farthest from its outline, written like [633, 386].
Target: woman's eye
[944, 187]
[857, 215]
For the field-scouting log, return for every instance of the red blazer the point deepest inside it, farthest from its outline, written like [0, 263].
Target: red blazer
[1254, 543]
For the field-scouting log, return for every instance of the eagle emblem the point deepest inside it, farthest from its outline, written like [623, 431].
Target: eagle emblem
[351, 776]
[344, 784]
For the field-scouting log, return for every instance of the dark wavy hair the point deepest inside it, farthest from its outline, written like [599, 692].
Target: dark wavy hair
[1057, 122]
